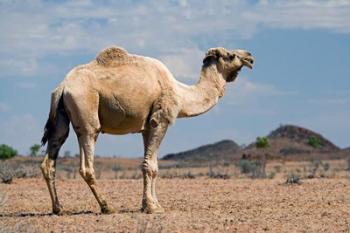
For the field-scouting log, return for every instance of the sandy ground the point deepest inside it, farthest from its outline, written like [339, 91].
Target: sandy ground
[192, 205]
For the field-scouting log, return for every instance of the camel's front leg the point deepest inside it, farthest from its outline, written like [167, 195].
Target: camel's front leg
[152, 138]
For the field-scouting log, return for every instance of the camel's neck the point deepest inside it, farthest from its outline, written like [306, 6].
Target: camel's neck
[200, 98]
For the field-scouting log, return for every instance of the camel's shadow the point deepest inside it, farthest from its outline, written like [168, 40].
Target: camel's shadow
[129, 211]
[65, 213]
[36, 214]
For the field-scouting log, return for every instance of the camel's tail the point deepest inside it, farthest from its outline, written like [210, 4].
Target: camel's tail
[56, 103]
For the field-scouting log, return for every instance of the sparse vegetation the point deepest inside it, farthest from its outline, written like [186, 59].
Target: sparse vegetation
[7, 152]
[11, 169]
[67, 154]
[316, 165]
[260, 164]
[348, 164]
[34, 150]
[98, 172]
[182, 175]
[6, 173]
[69, 172]
[256, 168]
[116, 168]
[188, 175]
[325, 166]
[218, 173]
[246, 166]
[293, 179]
[260, 168]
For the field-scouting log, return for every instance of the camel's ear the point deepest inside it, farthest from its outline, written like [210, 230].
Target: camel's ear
[214, 54]
[209, 56]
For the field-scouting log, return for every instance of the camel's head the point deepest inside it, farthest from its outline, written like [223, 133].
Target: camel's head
[229, 63]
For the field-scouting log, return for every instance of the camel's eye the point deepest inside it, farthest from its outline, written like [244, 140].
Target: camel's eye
[232, 57]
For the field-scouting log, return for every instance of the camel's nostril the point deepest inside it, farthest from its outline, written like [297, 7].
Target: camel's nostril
[252, 62]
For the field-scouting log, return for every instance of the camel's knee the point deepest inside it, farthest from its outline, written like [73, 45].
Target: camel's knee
[48, 167]
[88, 175]
[150, 168]
[43, 168]
[82, 172]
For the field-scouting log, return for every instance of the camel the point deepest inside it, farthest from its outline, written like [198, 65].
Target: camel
[120, 93]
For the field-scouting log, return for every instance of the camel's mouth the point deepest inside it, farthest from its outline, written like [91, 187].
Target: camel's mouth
[248, 61]
[233, 75]
[246, 57]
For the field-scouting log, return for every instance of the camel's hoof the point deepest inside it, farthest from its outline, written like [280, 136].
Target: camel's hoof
[107, 210]
[153, 209]
[58, 210]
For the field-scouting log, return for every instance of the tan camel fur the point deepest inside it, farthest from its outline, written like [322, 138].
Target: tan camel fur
[121, 93]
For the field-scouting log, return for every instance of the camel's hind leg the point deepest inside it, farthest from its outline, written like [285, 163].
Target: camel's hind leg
[48, 167]
[82, 106]
[87, 144]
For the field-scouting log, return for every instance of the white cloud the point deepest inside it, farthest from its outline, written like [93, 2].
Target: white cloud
[245, 90]
[329, 15]
[184, 63]
[19, 65]
[40, 28]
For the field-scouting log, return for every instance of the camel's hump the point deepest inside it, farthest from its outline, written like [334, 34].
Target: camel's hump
[111, 55]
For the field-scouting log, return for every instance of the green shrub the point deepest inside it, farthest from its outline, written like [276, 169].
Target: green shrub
[7, 152]
[262, 142]
[117, 168]
[34, 150]
[246, 166]
[325, 166]
[254, 167]
[314, 141]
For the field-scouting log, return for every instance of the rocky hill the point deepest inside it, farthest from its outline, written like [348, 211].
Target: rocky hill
[222, 150]
[287, 141]
[302, 135]
[291, 140]
[346, 151]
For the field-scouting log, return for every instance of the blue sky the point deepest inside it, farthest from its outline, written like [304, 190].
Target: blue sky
[301, 76]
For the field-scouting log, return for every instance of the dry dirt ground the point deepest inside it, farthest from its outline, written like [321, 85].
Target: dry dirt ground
[192, 205]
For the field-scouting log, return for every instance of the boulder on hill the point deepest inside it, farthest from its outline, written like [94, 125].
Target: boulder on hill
[222, 150]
